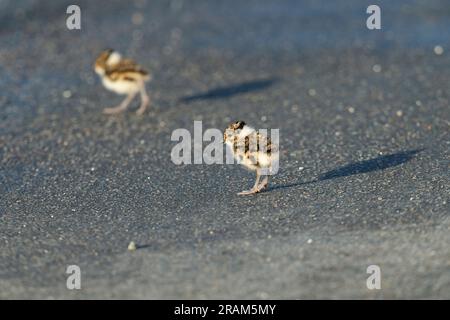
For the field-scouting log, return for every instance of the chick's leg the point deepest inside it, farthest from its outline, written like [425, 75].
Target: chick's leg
[255, 187]
[263, 184]
[121, 107]
[145, 100]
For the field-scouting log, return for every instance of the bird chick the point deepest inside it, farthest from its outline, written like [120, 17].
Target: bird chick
[253, 150]
[124, 77]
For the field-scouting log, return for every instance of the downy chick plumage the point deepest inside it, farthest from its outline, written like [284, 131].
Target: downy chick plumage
[254, 150]
[124, 77]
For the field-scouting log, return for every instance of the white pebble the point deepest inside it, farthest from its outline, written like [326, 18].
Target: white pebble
[438, 50]
[132, 246]
[376, 68]
[67, 94]
[312, 92]
[399, 113]
[309, 241]
[351, 110]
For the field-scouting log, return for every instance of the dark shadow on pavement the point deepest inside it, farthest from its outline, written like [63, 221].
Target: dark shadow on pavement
[375, 164]
[378, 163]
[229, 91]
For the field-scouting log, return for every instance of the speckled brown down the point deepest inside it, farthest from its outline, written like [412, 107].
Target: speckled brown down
[253, 150]
[122, 76]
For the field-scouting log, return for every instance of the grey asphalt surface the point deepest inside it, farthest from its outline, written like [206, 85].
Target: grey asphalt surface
[364, 113]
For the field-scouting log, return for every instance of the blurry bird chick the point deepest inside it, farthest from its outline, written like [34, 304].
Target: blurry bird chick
[124, 77]
[253, 150]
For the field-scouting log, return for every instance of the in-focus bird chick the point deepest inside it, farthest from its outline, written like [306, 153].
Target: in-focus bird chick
[123, 76]
[253, 150]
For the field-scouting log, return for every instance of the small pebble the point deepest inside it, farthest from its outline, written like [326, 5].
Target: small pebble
[438, 50]
[376, 68]
[132, 246]
[399, 113]
[312, 92]
[137, 18]
[67, 94]
[309, 241]
[351, 110]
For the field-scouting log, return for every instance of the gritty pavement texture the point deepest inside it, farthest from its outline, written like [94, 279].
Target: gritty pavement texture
[364, 136]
